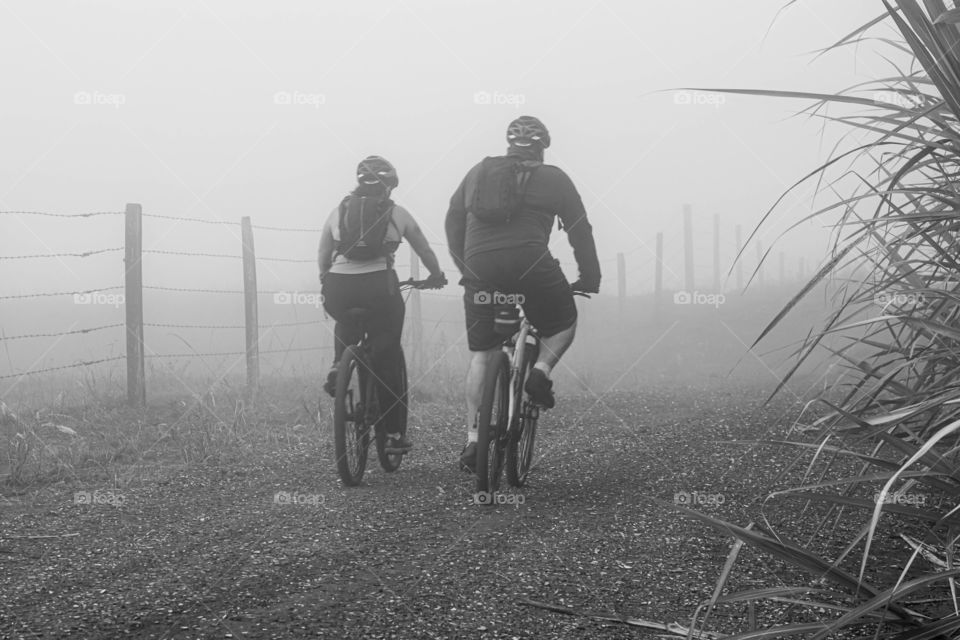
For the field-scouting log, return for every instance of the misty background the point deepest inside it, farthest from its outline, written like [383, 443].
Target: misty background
[216, 110]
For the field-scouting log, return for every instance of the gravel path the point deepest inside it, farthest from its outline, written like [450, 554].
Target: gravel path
[207, 552]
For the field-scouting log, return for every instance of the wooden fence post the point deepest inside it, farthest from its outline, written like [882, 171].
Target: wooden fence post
[658, 281]
[621, 283]
[416, 318]
[133, 304]
[689, 278]
[251, 321]
[739, 265]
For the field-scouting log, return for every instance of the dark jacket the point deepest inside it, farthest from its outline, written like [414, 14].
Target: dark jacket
[550, 193]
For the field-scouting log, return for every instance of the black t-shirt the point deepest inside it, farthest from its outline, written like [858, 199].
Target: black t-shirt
[550, 193]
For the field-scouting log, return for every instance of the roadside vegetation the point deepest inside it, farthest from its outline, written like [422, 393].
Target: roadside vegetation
[884, 457]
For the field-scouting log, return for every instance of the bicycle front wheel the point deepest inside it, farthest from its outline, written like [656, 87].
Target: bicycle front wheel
[492, 425]
[391, 461]
[524, 427]
[351, 434]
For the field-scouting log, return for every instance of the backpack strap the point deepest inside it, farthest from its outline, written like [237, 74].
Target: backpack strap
[525, 176]
[342, 212]
[389, 256]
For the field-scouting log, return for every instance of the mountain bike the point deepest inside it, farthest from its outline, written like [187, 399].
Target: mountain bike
[507, 416]
[359, 405]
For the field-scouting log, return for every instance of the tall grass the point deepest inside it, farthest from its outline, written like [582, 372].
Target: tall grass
[895, 425]
[94, 434]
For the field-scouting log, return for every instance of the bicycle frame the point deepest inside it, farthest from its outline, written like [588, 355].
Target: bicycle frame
[516, 353]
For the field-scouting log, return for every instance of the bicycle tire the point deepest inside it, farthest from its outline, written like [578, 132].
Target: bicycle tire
[524, 429]
[390, 462]
[492, 425]
[351, 436]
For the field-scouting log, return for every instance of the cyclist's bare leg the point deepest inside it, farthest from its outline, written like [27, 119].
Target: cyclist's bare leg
[479, 362]
[553, 348]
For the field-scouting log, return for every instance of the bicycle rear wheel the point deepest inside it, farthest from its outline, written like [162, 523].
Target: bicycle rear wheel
[351, 434]
[492, 425]
[391, 461]
[524, 428]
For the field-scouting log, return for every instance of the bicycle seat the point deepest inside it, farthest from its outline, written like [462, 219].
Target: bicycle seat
[357, 315]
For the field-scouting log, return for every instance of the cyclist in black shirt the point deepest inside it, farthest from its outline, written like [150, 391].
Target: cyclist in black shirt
[513, 257]
[372, 284]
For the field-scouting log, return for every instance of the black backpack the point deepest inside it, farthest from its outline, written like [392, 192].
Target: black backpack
[364, 221]
[501, 187]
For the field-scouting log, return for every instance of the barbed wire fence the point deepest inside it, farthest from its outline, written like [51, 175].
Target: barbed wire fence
[648, 260]
[130, 294]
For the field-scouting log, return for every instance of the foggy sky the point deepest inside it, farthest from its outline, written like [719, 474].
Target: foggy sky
[181, 107]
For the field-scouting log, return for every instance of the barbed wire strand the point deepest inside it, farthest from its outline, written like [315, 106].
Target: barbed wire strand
[168, 252]
[66, 366]
[233, 353]
[269, 259]
[226, 326]
[157, 355]
[62, 333]
[188, 290]
[62, 215]
[294, 229]
[84, 254]
[198, 220]
[233, 223]
[198, 254]
[231, 291]
[59, 293]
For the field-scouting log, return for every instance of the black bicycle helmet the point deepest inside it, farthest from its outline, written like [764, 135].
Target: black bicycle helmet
[376, 170]
[527, 130]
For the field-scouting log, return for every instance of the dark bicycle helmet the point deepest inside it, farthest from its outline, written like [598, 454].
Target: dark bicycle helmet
[376, 170]
[527, 130]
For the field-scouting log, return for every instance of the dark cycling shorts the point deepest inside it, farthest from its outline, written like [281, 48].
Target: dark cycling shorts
[377, 292]
[496, 276]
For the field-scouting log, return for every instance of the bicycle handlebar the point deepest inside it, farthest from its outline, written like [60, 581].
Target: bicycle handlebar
[418, 284]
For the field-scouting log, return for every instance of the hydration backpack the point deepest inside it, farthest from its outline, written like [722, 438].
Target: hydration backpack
[364, 221]
[501, 187]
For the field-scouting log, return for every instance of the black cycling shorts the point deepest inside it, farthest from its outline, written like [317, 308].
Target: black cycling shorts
[503, 276]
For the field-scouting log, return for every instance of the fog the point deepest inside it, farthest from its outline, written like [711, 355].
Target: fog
[218, 110]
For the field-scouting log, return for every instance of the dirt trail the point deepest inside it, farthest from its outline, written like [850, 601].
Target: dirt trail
[208, 552]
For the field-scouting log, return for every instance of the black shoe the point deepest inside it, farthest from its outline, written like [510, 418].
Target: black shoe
[468, 458]
[330, 386]
[540, 389]
[397, 444]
